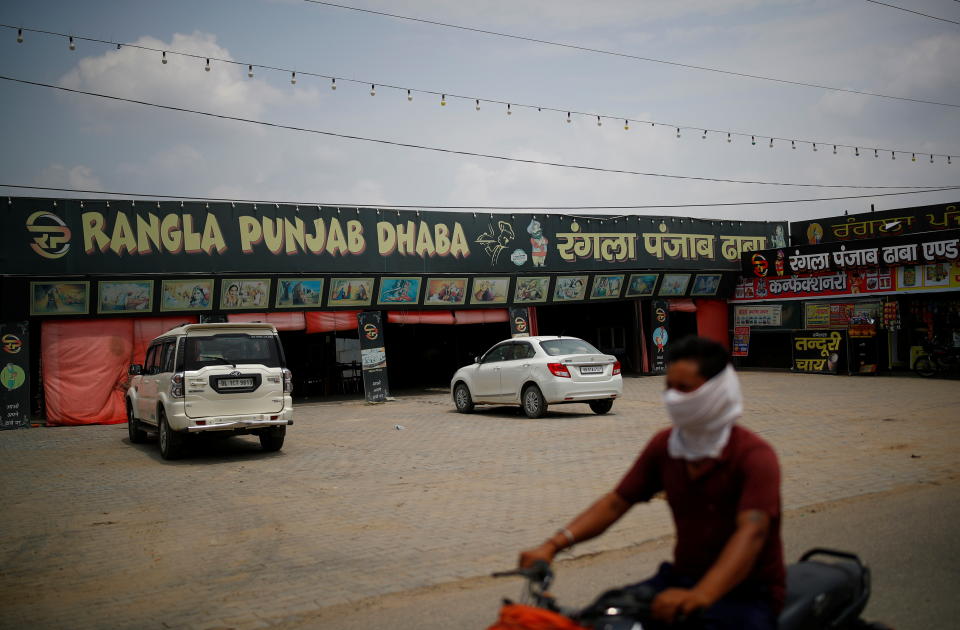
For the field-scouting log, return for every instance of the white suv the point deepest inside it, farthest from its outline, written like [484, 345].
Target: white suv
[211, 377]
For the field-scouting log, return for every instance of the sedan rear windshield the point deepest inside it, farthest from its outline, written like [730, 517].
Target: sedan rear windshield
[231, 349]
[557, 347]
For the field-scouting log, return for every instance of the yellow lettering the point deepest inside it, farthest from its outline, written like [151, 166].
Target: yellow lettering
[459, 246]
[123, 239]
[170, 234]
[212, 236]
[191, 238]
[441, 237]
[336, 241]
[317, 241]
[294, 235]
[386, 238]
[405, 237]
[250, 234]
[355, 240]
[94, 237]
[148, 232]
[273, 234]
[424, 241]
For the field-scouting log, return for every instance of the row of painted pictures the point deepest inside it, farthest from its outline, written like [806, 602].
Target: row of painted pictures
[136, 296]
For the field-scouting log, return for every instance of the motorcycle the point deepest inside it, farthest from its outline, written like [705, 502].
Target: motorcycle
[937, 358]
[825, 589]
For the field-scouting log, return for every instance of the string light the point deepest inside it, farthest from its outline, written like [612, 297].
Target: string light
[163, 58]
[72, 45]
[599, 124]
[893, 155]
[409, 95]
[931, 158]
[949, 160]
[913, 157]
[793, 144]
[250, 72]
[753, 141]
[729, 139]
[814, 146]
[509, 111]
[876, 153]
[207, 67]
[568, 116]
[771, 143]
[333, 84]
[19, 35]
[678, 132]
[704, 137]
[834, 149]
[293, 78]
[443, 101]
[478, 105]
[626, 125]
[373, 90]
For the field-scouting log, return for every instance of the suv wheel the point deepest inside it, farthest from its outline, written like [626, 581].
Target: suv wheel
[462, 398]
[601, 406]
[534, 404]
[171, 442]
[271, 440]
[135, 433]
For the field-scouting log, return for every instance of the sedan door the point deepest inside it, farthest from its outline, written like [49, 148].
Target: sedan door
[485, 384]
[515, 370]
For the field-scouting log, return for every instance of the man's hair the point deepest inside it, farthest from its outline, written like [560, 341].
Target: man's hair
[710, 356]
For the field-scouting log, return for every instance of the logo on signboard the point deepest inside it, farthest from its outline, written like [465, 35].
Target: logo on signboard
[371, 331]
[660, 314]
[760, 265]
[660, 337]
[518, 257]
[11, 343]
[520, 324]
[12, 376]
[52, 238]
[496, 239]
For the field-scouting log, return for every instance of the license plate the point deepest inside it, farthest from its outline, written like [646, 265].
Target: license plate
[235, 383]
[591, 369]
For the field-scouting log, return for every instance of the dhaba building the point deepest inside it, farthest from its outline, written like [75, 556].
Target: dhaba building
[855, 294]
[86, 284]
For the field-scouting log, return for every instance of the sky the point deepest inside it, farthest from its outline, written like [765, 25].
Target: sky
[67, 140]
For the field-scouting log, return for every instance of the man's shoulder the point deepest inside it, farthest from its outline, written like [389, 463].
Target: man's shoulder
[747, 444]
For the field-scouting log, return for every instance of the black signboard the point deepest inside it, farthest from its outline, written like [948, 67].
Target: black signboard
[54, 238]
[660, 334]
[373, 356]
[942, 216]
[15, 375]
[819, 351]
[910, 249]
[519, 321]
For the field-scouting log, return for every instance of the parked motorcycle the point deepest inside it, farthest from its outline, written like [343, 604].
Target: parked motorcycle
[937, 358]
[825, 589]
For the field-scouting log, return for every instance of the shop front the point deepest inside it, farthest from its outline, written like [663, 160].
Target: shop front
[95, 280]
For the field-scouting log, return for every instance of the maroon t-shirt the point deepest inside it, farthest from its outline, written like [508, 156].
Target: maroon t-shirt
[746, 476]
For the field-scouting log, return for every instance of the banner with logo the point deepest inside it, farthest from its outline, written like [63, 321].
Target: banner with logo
[852, 282]
[373, 356]
[660, 335]
[519, 321]
[818, 351]
[941, 216]
[47, 237]
[741, 341]
[15, 375]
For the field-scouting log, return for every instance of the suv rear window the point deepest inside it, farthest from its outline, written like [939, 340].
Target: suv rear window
[556, 347]
[231, 349]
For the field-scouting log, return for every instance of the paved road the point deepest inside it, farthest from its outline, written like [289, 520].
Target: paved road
[101, 533]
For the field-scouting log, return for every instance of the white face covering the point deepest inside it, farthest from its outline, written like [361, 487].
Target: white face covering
[702, 419]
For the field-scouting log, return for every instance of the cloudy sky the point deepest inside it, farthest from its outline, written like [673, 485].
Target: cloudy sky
[59, 139]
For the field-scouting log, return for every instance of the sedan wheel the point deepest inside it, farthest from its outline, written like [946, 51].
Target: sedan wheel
[601, 406]
[462, 399]
[534, 404]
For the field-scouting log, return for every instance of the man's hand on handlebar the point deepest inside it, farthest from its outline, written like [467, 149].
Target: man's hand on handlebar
[544, 552]
[672, 603]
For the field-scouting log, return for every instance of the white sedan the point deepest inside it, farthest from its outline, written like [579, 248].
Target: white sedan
[538, 371]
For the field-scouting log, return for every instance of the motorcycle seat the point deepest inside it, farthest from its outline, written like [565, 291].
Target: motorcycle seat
[819, 593]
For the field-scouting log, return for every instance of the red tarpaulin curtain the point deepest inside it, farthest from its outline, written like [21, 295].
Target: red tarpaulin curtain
[328, 321]
[282, 321]
[420, 317]
[481, 316]
[713, 321]
[85, 362]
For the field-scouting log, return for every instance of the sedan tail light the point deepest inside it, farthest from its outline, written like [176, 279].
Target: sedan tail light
[616, 367]
[558, 369]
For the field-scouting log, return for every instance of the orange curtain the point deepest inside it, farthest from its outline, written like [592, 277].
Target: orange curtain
[420, 317]
[481, 316]
[713, 321]
[328, 321]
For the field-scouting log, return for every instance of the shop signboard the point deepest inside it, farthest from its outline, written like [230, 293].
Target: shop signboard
[817, 351]
[741, 341]
[373, 356]
[53, 238]
[15, 375]
[758, 315]
[817, 316]
[519, 321]
[660, 336]
[851, 282]
[932, 277]
[866, 225]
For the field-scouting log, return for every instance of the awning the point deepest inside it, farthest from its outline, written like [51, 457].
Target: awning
[282, 321]
[481, 316]
[684, 305]
[328, 321]
[420, 317]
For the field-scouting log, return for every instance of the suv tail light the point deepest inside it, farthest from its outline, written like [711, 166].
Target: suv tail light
[176, 385]
[616, 367]
[287, 381]
[558, 369]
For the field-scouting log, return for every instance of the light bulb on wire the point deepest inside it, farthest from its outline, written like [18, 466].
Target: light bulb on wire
[509, 111]
[443, 101]
[913, 157]
[856, 152]
[876, 153]
[250, 72]
[814, 146]
[678, 132]
[771, 143]
[72, 45]
[834, 149]
[931, 158]
[598, 122]
[626, 125]
[893, 155]
[568, 116]
[207, 67]
[793, 144]
[409, 95]
[753, 141]
[293, 78]
[949, 160]
[729, 139]
[333, 84]
[19, 35]
[163, 58]
[373, 90]
[478, 105]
